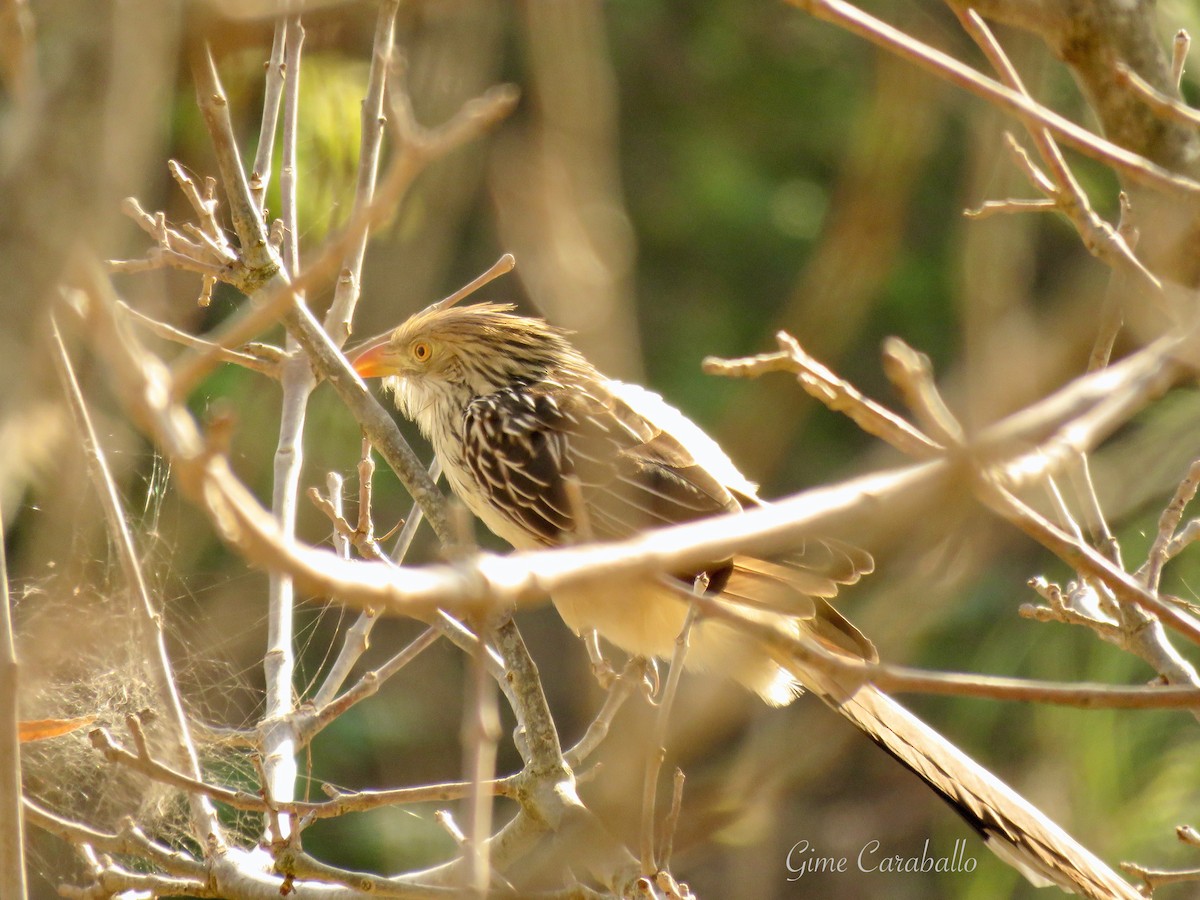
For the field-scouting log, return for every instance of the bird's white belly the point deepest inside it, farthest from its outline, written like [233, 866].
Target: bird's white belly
[644, 618]
[638, 617]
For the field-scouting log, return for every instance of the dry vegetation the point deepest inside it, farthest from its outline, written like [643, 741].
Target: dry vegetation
[239, 661]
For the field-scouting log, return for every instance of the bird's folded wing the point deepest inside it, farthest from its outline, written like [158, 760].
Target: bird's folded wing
[523, 446]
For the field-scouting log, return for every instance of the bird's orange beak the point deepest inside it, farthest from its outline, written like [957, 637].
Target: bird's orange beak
[372, 362]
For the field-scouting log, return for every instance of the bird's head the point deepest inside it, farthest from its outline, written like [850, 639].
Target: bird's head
[453, 355]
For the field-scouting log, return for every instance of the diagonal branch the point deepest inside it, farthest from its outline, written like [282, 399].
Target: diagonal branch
[256, 253]
[204, 818]
[1101, 239]
[1137, 169]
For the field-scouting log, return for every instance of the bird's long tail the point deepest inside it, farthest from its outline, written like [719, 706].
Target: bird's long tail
[1010, 826]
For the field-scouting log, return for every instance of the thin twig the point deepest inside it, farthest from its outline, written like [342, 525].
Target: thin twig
[1170, 108]
[288, 166]
[1189, 534]
[333, 491]
[1085, 489]
[802, 654]
[621, 690]
[367, 685]
[260, 264]
[1168, 522]
[1156, 878]
[1116, 294]
[357, 637]
[1091, 602]
[993, 207]
[345, 298]
[1078, 695]
[481, 734]
[280, 734]
[1088, 562]
[1100, 239]
[658, 738]
[12, 835]
[265, 359]
[1078, 605]
[168, 257]
[836, 393]
[209, 233]
[414, 518]
[911, 374]
[671, 822]
[362, 536]
[1179, 52]
[260, 174]
[149, 619]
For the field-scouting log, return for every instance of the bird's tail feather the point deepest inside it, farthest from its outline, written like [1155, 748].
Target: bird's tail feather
[1012, 828]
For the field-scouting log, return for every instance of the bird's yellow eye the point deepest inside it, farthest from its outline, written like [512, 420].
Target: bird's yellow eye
[421, 351]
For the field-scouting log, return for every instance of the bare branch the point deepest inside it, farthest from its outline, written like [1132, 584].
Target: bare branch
[1156, 878]
[1163, 105]
[1112, 315]
[621, 689]
[839, 395]
[1087, 561]
[481, 735]
[280, 736]
[262, 358]
[1137, 169]
[260, 174]
[366, 686]
[339, 804]
[1179, 52]
[993, 207]
[256, 253]
[672, 820]
[129, 841]
[1098, 236]
[911, 374]
[206, 827]
[341, 311]
[658, 738]
[1151, 572]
